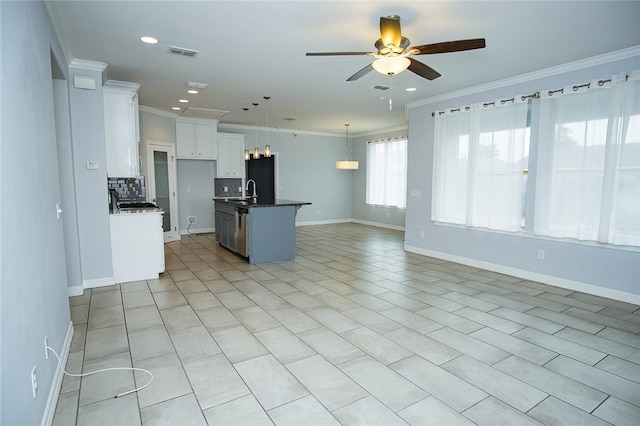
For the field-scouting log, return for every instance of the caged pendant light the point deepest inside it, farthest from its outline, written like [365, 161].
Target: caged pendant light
[346, 164]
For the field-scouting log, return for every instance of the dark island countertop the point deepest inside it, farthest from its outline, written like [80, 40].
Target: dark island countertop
[265, 202]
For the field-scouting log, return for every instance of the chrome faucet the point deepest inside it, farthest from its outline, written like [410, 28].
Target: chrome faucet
[255, 195]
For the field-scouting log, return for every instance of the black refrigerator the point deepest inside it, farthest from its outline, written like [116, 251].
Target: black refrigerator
[262, 171]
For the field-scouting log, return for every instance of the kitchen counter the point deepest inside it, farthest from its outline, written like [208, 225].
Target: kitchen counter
[141, 210]
[248, 202]
[137, 246]
[262, 231]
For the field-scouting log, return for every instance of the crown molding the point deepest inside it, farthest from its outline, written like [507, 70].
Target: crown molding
[547, 72]
[83, 64]
[157, 111]
[58, 29]
[274, 130]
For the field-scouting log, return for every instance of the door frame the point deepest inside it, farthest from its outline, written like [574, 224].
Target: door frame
[170, 149]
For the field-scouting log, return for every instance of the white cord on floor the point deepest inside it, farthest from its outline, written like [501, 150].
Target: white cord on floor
[106, 369]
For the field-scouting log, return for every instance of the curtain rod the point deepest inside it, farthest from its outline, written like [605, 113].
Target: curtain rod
[532, 96]
[387, 139]
[576, 87]
[486, 104]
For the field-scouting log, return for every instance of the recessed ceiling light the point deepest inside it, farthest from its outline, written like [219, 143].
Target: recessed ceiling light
[184, 101]
[192, 91]
[410, 89]
[176, 108]
[149, 40]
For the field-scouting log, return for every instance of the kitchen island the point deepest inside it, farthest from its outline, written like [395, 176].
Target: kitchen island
[261, 230]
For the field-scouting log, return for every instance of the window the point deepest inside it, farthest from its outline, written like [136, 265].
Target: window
[387, 173]
[480, 164]
[588, 178]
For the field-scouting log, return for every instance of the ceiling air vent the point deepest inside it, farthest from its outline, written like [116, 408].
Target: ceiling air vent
[381, 87]
[196, 85]
[182, 51]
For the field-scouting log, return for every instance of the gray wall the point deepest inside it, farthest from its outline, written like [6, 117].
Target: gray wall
[194, 177]
[305, 172]
[33, 286]
[87, 134]
[195, 193]
[391, 217]
[604, 270]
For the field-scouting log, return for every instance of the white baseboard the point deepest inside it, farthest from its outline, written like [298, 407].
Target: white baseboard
[532, 276]
[197, 231]
[361, 222]
[94, 283]
[56, 384]
[379, 225]
[75, 291]
[98, 282]
[322, 222]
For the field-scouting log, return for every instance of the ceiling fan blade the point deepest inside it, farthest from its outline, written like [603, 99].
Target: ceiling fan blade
[337, 53]
[364, 71]
[390, 32]
[449, 46]
[423, 70]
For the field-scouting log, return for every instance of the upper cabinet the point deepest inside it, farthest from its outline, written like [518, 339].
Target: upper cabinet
[121, 128]
[196, 139]
[230, 156]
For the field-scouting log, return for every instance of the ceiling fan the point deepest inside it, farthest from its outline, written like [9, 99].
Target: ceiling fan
[392, 55]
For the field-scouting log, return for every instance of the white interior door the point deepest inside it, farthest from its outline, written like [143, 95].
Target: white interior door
[161, 185]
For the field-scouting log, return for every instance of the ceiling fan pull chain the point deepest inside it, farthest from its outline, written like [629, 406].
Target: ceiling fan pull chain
[390, 91]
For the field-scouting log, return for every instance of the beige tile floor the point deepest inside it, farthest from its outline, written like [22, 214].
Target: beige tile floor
[354, 331]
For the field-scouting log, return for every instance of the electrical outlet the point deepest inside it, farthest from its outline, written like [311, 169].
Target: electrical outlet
[34, 381]
[541, 254]
[421, 234]
[46, 345]
[191, 219]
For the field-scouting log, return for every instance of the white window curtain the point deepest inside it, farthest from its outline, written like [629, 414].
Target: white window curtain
[387, 173]
[480, 154]
[588, 177]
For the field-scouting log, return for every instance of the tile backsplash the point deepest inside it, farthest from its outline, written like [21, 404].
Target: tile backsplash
[128, 189]
[233, 185]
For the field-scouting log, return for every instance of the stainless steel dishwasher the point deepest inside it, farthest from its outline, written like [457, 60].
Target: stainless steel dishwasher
[241, 232]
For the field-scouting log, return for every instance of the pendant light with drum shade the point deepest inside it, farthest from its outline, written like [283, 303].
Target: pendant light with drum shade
[347, 164]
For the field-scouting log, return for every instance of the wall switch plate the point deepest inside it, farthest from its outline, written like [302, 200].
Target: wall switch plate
[92, 165]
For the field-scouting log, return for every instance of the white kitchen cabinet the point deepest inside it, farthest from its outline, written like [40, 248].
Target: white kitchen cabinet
[137, 246]
[230, 156]
[121, 128]
[196, 139]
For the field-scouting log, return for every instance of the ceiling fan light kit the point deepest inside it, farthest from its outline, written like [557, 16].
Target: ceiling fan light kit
[391, 65]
